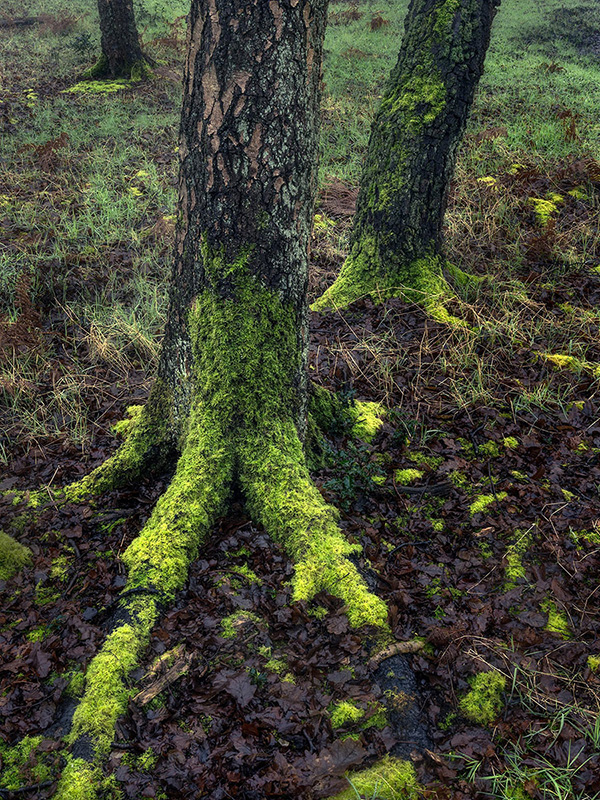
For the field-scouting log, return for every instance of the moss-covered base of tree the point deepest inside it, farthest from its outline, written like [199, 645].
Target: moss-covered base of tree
[421, 281]
[241, 429]
[138, 70]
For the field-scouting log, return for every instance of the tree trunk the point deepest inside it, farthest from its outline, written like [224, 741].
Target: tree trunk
[396, 242]
[122, 55]
[231, 395]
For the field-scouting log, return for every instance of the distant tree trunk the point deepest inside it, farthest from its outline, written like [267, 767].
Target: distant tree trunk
[121, 52]
[229, 403]
[396, 242]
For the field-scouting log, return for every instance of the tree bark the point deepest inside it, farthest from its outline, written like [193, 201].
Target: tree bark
[396, 241]
[121, 52]
[231, 394]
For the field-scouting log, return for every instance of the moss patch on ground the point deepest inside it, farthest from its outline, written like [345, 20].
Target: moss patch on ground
[484, 702]
[13, 556]
[390, 778]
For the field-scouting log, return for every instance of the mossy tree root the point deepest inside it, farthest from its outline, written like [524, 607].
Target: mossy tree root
[137, 70]
[271, 468]
[147, 448]
[158, 561]
[282, 497]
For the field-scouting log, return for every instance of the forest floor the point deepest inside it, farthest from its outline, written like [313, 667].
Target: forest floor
[477, 503]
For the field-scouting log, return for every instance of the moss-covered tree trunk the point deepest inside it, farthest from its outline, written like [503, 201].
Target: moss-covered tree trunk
[396, 242]
[122, 55]
[229, 403]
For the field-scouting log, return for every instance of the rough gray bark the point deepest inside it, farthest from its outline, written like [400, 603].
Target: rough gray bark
[396, 242]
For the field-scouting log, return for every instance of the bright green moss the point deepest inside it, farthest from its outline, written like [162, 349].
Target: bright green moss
[558, 622]
[367, 419]
[515, 570]
[21, 763]
[425, 459]
[107, 691]
[282, 497]
[363, 274]
[407, 476]
[390, 778]
[248, 360]
[416, 102]
[97, 87]
[345, 712]
[571, 363]
[544, 209]
[484, 702]
[483, 501]
[444, 19]
[79, 781]
[510, 442]
[593, 663]
[13, 556]
[124, 426]
[149, 432]
[277, 665]
[248, 574]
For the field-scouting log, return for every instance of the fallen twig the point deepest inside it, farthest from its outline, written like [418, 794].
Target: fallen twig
[397, 648]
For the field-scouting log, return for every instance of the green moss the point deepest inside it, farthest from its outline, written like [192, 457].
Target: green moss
[458, 479]
[277, 665]
[107, 691]
[558, 622]
[484, 702]
[544, 209]
[444, 19]
[248, 574]
[363, 275]
[149, 433]
[593, 663]
[22, 765]
[13, 556]
[426, 459]
[98, 87]
[390, 778]
[515, 570]
[571, 363]
[79, 781]
[367, 419]
[247, 368]
[59, 569]
[407, 476]
[125, 426]
[417, 101]
[76, 682]
[233, 623]
[490, 449]
[196, 495]
[510, 442]
[483, 501]
[37, 634]
[377, 719]
[345, 712]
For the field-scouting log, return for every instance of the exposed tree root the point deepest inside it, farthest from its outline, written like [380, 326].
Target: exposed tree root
[271, 468]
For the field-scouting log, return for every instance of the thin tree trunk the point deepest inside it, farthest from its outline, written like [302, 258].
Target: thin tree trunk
[121, 52]
[396, 242]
